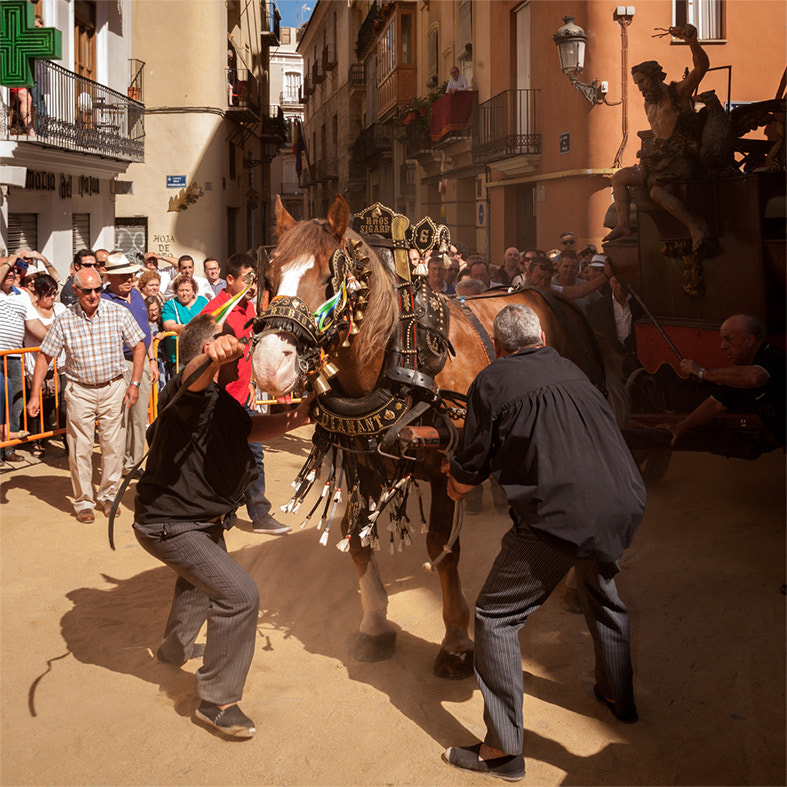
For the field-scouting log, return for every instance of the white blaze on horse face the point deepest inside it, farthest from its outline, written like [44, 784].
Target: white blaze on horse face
[275, 358]
[275, 364]
[292, 273]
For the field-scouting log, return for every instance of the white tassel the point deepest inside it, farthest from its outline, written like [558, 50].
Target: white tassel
[376, 544]
[324, 537]
[407, 539]
[320, 524]
[303, 524]
[344, 545]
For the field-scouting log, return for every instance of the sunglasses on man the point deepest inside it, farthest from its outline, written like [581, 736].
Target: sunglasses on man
[88, 290]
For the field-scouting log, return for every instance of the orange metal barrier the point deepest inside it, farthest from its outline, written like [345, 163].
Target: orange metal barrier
[28, 424]
[153, 402]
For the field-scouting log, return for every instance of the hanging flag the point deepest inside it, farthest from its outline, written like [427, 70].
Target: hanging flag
[298, 146]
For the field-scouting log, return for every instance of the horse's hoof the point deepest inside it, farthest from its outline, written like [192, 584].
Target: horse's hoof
[378, 647]
[453, 666]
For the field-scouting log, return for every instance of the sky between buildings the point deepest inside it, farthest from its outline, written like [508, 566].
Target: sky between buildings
[294, 12]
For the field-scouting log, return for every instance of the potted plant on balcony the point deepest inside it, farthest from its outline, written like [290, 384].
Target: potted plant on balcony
[414, 109]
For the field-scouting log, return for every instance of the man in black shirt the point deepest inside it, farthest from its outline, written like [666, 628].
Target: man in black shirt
[196, 476]
[755, 383]
[536, 423]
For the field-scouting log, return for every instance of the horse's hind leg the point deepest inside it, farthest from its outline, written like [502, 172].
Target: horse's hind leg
[376, 638]
[455, 659]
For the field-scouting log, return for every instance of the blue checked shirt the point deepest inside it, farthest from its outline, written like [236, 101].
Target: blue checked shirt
[94, 348]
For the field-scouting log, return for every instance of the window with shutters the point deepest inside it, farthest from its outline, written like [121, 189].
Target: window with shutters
[465, 42]
[292, 87]
[22, 231]
[705, 15]
[80, 232]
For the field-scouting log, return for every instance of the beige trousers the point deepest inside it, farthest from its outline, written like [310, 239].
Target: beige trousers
[135, 420]
[86, 406]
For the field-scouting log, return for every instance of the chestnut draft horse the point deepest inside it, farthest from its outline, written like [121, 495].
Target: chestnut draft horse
[304, 283]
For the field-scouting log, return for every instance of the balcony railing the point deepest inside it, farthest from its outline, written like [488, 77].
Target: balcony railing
[290, 187]
[506, 126]
[318, 75]
[327, 169]
[308, 86]
[290, 97]
[374, 140]
[355, 77]
[243, 90]
[329, 61]
[74, 113]
[274, 125]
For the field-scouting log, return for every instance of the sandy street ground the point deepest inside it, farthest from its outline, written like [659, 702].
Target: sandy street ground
[85, 703]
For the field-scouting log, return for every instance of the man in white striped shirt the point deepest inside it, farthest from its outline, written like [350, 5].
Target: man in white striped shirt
[92, 333]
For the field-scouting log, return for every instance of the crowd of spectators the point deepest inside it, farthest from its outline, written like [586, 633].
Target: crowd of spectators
[111, 335]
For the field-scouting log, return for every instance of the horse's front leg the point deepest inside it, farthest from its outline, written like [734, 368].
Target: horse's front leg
[376, 638]
[455, 659]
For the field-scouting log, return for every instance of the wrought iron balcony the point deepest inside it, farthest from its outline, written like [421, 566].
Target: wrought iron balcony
[73, 113]
[243, 91]
[329, 61]
[290, 187]
[274, 125]
[290, 97]
[318, 75]
[356, 78]
[374, 140]
[506, 126]
[327, 169]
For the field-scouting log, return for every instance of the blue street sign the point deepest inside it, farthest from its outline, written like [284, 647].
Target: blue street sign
[176, 181]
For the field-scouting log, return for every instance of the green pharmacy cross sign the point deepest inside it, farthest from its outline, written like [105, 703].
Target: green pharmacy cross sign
[22, 43]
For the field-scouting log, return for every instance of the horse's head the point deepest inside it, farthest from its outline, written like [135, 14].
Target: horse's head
[314, 291]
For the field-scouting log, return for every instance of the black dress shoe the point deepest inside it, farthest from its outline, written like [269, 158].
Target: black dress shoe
[511, 767]
[627, 718]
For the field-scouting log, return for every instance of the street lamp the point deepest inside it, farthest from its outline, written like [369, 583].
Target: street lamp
[571, 40]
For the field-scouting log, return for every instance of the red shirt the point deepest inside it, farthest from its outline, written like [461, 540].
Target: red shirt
[241, 314]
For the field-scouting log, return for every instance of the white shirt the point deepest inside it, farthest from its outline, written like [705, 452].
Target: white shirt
[622, 318]
[460, 83]
[31, 341]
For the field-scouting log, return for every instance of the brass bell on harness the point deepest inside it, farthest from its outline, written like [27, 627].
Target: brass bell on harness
[330, 369]
[320, 385]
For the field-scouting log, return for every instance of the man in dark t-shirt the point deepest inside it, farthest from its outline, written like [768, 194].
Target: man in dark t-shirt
[536, 423]
[196, 476]
[755, 383]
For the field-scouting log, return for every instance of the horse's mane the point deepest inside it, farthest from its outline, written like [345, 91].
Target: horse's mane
[382, 311]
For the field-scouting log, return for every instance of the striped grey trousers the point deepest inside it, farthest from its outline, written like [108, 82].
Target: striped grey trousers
[211, 586]
[525, 572]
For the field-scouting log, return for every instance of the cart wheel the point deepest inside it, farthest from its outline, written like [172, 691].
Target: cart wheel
[653, 464]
